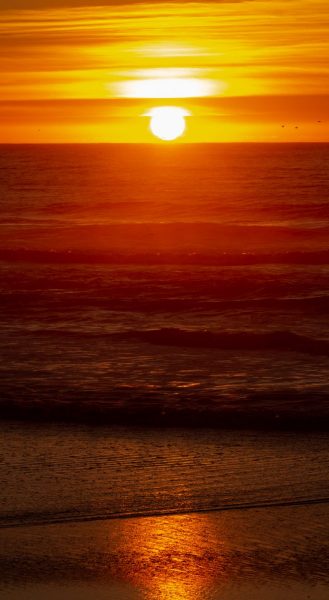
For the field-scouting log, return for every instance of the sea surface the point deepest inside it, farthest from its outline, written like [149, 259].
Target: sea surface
[164, 395]
[165, 284]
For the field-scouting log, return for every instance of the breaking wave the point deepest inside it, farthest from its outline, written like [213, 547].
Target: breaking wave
[282, 341]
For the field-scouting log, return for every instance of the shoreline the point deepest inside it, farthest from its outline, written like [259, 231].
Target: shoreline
[195, 556]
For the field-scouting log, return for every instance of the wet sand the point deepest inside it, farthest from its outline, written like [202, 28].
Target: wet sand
[63, 487]
[268, 553]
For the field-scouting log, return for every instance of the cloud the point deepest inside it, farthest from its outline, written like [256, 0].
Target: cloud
[83, 52]
[238, 109]
[44, 4]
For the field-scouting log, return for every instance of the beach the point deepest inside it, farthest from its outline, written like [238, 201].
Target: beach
[261, 553]
[165, 513]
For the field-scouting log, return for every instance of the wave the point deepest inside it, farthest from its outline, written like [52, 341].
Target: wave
[243, 341]
[56, 518]
[27, 299]
[284, 409]
[319, 257]
[282, 341]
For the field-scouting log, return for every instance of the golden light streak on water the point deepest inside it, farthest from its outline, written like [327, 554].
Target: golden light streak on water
[167, 559]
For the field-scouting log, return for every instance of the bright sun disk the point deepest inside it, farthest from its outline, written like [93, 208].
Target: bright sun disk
[168, 122]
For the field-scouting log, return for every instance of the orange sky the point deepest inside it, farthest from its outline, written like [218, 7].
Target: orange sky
[72, 71]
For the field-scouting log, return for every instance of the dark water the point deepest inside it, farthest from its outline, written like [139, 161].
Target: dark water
[178, 286]
[55, 473]
[183, 285]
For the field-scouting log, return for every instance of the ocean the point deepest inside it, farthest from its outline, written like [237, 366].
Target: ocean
[164, 395]
[164, 317]
[165, 285]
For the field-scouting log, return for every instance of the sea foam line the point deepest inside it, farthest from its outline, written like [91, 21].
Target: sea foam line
[162, 513]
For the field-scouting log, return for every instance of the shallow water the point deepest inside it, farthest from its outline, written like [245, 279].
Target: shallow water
[266, 553]
[54, 473]
[63, 487]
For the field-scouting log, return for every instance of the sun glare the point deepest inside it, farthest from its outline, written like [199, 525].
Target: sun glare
[167, 87]
[168, 122]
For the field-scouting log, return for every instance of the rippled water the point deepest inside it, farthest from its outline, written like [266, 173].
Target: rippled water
[182, 285]
[64, 473]
[262, 527]
[183, 290]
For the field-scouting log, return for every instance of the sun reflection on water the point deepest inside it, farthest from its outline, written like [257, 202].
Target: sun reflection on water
[167, 558]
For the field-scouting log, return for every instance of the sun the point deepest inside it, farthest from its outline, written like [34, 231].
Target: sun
[168, 122]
